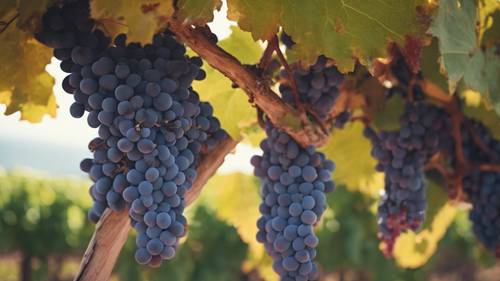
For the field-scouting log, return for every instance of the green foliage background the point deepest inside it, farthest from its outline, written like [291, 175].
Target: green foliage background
[45, 218]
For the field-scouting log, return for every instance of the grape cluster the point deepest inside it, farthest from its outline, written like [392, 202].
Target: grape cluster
[294, 182]
[70, 31]
[481, 187]
[317, 87]
[401, 156]
[151, 124]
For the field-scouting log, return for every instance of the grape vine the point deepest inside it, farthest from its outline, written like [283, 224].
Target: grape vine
[152, 130]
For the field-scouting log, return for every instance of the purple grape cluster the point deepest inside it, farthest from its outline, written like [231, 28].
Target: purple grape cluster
[151, 124]
[294, 183]
[317, 87]
[401, 156]
[70, 31]
[482, 188]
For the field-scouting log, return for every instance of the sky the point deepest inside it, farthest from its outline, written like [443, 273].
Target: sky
[57, 145]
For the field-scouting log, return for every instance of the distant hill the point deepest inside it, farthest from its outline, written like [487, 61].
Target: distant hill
[50, 158]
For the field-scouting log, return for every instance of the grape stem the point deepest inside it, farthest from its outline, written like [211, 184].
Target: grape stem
[305, 132]
[298, 103]
[266, 56]
[487, 167]
[112, 230]
[453, 110]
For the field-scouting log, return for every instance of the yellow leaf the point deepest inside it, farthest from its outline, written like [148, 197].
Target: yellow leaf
[351, 152]
[231, 105]
[261, 17]
[236, 200]
[197, 12]
[139, 19]
[25, 85]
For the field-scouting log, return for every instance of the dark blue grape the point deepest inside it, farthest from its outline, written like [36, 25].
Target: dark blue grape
[288, 215]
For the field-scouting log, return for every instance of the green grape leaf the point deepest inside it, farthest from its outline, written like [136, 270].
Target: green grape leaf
[344, 30]
[413, 250]
[483, 74]
[197, 12]
[231, 105]
[454, 26]
[461, 56]
[260, 17]
[355, 171]
[139, 19]
[429, 65]
[25, 86]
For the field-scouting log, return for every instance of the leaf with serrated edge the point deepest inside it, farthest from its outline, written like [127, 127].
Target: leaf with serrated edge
[25, 86]
[483, 75]
[454, 25]
[197, 12]
[139, 19]
[343, 30]
[260, 17]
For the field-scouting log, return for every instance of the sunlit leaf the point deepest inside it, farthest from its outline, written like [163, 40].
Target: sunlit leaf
[25, 85]
[139, 19]
[260, 17]
[197, 12]
[344, 30]
[355, 167]
[235, 199]
[231, 105]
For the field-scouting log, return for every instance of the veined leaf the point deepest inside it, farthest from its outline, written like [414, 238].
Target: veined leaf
[344, 30]
[260, 17]
[25, 86]
[139, 19]
[197, 12]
